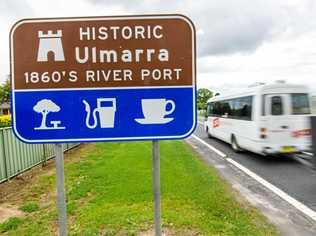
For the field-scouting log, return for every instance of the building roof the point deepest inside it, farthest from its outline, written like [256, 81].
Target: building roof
[5, 105]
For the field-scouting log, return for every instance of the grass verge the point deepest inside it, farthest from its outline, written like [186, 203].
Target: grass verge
[109, 192]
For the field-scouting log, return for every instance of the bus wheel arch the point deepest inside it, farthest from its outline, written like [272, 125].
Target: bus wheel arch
[234, 144]
[208, 132]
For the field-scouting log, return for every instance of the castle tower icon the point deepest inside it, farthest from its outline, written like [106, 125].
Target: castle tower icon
[50, 42]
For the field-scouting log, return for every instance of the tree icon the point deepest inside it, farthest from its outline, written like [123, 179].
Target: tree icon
[44, 107]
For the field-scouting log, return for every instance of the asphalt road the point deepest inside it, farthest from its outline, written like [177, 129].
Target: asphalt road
[293, 175]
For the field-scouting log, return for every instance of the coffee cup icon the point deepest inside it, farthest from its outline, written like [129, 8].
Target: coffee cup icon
[155, 110]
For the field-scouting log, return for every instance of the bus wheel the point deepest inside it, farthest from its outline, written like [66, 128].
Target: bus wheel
[234, 144]
[208, 133]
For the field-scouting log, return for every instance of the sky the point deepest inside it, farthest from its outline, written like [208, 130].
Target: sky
[239, 42]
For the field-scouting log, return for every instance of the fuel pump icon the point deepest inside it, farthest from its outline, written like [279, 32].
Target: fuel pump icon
[106, 108]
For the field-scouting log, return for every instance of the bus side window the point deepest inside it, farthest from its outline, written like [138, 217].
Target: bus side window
[276, 106]
[263, 104]
[209, 110]
[217, 110]
[246, 108]
[226, 108]
[242, 108]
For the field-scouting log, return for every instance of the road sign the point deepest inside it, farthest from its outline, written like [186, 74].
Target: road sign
[103, 78]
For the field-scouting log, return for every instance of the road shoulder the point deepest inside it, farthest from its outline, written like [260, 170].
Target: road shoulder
[284, 216]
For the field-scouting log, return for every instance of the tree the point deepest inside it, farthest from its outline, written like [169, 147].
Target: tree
[5, 89]
[45, 106]
[203, 95]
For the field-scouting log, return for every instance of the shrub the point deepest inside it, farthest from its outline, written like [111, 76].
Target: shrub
[5, 121]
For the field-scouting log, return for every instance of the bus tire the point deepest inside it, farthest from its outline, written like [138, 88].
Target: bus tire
[234, 144]
[208, 133]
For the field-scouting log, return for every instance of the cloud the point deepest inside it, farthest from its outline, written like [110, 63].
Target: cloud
[292, 60]
[225, 26]
[239, 42]
[235, 26]
[14, 9]
[145, 6]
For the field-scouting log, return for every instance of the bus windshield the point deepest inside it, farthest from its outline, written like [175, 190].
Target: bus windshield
[300, 104]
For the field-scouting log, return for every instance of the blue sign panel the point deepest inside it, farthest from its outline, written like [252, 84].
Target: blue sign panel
[91, 115]
[64, 98]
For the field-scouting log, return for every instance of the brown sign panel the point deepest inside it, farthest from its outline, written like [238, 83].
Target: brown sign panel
[103, 52]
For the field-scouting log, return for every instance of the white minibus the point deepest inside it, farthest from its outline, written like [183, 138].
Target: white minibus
[265, 119]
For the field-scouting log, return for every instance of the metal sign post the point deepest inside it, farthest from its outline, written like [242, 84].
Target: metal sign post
[156, 187]
[61, 199]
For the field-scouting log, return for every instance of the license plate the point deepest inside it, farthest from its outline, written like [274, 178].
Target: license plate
[288, 149]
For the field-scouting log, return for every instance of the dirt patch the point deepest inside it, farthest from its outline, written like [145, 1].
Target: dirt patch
[7, 212]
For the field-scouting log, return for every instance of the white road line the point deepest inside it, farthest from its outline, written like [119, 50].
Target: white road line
[308, 153]
[298, 205]
[303, 161]
[220, 153]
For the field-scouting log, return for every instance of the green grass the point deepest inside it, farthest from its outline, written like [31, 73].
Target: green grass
[29, 207]
[11, 224]
[110, 191]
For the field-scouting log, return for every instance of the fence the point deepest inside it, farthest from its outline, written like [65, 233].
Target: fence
[17, 157]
